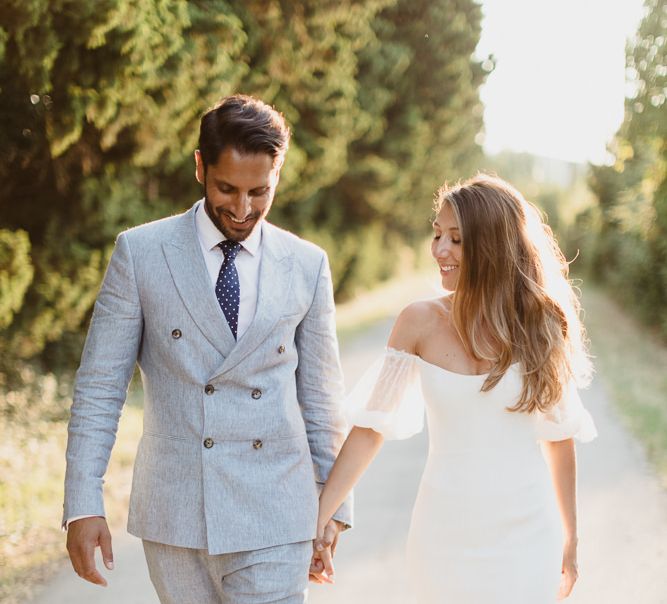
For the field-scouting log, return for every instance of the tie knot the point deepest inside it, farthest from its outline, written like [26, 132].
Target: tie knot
[229, 248]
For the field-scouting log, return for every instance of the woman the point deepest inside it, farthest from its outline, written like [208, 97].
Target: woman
[498, 359]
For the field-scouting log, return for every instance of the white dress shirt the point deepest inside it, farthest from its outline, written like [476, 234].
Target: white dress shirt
[247, 263]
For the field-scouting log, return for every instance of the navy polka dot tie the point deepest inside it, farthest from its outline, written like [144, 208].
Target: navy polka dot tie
[227, 288]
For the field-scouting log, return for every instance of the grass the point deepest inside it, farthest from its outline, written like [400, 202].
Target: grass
[32, 471]
[30, 480]
[632, 363]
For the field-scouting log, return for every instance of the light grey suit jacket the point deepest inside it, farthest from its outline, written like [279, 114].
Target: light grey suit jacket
[237, 436]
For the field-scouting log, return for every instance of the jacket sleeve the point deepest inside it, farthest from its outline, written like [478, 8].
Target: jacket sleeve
[319, 381]
[100, 388]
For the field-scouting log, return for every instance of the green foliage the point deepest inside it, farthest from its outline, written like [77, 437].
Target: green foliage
[99, 110]
[631, 250]
[97, 102]
[309, 71]
[16, 273]
[418, 80]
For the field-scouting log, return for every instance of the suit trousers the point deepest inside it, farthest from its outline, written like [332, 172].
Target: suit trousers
[271, 575]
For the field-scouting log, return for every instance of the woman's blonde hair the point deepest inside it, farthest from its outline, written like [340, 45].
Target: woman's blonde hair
[513, 300]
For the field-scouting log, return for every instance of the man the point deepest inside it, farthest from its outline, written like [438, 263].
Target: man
[231, 321]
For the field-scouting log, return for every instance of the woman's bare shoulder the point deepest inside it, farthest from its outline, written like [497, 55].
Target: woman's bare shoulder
[414, 321]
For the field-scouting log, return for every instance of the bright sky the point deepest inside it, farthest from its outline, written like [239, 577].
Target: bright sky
[559, 83]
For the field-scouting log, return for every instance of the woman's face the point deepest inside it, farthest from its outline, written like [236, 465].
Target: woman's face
[446, 247]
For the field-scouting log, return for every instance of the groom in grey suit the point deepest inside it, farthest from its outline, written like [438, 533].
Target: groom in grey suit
[231, 321]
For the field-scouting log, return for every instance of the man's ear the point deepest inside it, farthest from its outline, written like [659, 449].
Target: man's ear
[277, 169]
[199, 167]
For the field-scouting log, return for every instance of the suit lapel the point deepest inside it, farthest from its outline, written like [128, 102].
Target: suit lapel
[188, 270]
[275, 275]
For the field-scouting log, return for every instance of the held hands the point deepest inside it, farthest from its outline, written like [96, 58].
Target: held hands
[324, 548]
[570, 572]
[83, 536]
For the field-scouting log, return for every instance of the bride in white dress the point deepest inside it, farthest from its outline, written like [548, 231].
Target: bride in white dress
[496, 364]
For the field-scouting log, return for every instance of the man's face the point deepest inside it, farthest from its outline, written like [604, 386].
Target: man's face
[238, 190]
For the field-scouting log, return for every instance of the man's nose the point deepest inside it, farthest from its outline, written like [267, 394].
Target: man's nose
[242, 205]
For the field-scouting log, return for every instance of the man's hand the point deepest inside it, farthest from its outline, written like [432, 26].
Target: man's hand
[83, 536]
[324, 548]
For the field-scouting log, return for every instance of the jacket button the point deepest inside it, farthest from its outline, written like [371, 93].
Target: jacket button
[256, 393]
[209, 389]
[281, 349]
[257, 444]
[176, 334]
[208, 443]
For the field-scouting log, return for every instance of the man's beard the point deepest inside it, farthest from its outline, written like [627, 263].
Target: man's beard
[236, 235]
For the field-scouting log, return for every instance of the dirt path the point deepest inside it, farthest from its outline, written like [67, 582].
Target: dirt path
[622, 509]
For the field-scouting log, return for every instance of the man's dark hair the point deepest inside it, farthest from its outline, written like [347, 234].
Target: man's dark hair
[245, 124]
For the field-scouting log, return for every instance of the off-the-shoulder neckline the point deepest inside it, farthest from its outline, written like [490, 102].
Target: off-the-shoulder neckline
[404, 353]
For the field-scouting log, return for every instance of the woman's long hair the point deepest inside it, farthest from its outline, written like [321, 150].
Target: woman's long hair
[513, 300]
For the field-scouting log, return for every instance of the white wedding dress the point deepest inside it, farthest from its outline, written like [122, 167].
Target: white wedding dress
[485, 527]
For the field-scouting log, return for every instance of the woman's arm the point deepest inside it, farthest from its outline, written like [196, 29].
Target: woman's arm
[562, 462]
[359, 449]
[363, 444]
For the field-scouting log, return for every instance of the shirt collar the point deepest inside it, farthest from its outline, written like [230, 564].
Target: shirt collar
[211, 236]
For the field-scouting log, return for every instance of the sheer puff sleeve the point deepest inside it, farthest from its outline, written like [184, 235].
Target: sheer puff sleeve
[388, 397]
[566, 419]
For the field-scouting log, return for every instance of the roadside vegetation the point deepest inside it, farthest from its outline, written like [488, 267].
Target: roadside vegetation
[32, 471]
[631, 362]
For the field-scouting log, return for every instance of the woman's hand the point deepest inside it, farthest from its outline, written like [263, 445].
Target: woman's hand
[324, 548]
[316, 571]
[570, 572]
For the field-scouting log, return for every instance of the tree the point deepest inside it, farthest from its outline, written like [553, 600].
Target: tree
[632, 194]
[99, 106]
[418, 83]
[98, 101]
